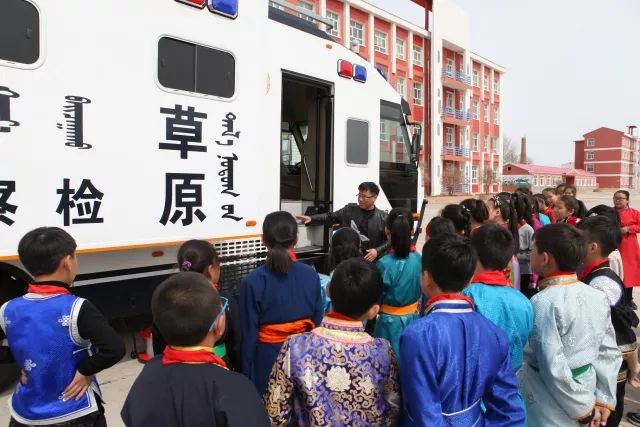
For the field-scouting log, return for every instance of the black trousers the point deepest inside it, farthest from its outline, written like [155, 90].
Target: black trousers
[525, 283]
[616, 417]
[628, 295]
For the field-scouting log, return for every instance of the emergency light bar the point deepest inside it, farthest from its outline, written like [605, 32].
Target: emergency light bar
[359, 73]
[195, 3]
[228, 8]
[345, 69]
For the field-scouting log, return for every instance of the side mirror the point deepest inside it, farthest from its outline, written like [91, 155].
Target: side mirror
[415, 144]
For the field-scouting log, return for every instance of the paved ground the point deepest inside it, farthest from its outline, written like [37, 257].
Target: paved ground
[116, 381]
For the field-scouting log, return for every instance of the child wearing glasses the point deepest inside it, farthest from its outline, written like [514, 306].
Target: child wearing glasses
[201, 257]
[188, 384]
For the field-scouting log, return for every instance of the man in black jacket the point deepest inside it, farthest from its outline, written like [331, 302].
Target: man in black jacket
[363, 216]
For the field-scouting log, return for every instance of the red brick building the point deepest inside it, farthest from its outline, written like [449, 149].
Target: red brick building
[538, 177]
[611, 155]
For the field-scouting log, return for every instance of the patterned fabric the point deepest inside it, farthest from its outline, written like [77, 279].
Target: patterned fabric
[572, 358]
[508, 309]
[401, 279]
[336, 375]
[452, 359]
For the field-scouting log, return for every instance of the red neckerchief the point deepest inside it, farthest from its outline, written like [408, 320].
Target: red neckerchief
[495, 278]
[592, 266]
[191, 355]
[412, 248]
[336, 315]
[44, 288]
[293, 256]
[216, 286]
[444, 297]
[559, 273]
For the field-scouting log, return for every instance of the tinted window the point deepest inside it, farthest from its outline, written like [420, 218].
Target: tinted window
[357, 142]
[194, 68]
[19, 31]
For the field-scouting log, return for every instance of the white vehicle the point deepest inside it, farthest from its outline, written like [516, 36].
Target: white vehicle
[139, 125]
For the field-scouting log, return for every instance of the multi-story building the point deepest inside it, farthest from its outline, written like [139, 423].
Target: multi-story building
[611, 155]
[539, 177]
[453, 93]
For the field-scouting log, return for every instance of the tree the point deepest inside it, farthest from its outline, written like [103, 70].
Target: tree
[509, 154]
[452, 178]
[488, 178]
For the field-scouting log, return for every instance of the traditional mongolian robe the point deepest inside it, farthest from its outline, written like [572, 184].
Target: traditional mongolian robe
[629, 248]
[452, 360]
[506, 307]
[336, 375]
[572, 360]
[401, 279]
[272, 307]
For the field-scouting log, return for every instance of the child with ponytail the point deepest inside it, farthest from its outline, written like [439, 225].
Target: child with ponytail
[277, 300]
[478, 211]
[523, 206]
[501, 212]
[400, 270]
[461, 218]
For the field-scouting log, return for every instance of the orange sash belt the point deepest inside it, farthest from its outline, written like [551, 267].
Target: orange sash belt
[399, 311]
[277, 333]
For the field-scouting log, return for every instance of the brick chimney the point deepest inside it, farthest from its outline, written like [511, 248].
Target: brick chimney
[631, 129]
[523, 150]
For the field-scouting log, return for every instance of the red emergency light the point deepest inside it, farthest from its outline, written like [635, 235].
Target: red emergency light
[200, 4]
[345, 69]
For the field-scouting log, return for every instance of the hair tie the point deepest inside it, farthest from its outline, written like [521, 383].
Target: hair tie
[466, 209]
[186, 265]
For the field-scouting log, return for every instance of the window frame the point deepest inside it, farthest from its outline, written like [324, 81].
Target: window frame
[335, 31]
[474, 174]
[42, 43]
[449, 131]
[486, 113]
[496, 115]
[476, 110]
[403, 50]
[376, 46]
[476, 142]
[362, 31]
[403, 94]
[415, 98]
[303, 4]
[346, 145]
[591, 142]
[475, 78]
[420, 51]
[485, 83]
[590, 155]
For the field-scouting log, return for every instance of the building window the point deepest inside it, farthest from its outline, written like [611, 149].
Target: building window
[451, 65]
[417, 93]
[496, 146]
[486, 113]
[535, 180]
[591, 142]
[384, 130]
[496, 116]
[335, 21]
[356, 32]
[400, 49]
[380, 41]
[449, 136]
[474, 174]
[496, 85]
[485, 82]
[20, 23]
[357, 142]
[590, 155]
[417, 55]
[308, 6]
[195, 68]
[475, 110]
[400, 87]
[277, 6]
[476, 78]
[487, 144]
[476, 138]
[450, 102]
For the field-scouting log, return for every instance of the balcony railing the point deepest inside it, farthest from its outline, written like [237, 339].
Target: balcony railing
[456, 188]
[446, 72]
[452, 150]
[458, 114]
[463, 77]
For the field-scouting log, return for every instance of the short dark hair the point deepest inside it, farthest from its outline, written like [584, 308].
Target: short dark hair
[571, 203]
[450, 260]
[563, 242]
[345, 244]
[460, 216]
[184, 307]
[494, 246]
[356, 286]
[607, 211]
[42, 249]
[477, 208]
[625, 192]
[603, 231]
[369, 186]
[439, 226]
[571, 187]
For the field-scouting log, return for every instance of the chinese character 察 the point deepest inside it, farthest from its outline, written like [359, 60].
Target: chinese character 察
[6, 189]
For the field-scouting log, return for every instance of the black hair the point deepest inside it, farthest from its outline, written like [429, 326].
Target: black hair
[280, 232]
[450, 260]
[582, 209]
[183, 308]
[559, 186]
[563, 242]
[345, 244]
[571, 187]
[551, 190]
[625, 192]
[42, 249]
[197, 255]
[356, 286]
[571, 203]
[523, 190]
[439, 226]
[372, 187]
[539, 198]
[607, 211]
[508, 213]
[477, 208]
[494, 246]
[460, 216]
[602, 230]
[400, 224]
[523, 205]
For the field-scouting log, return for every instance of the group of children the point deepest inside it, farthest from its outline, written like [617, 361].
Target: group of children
[453, 341]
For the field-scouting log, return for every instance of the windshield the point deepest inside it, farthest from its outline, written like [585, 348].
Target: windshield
[394, 138]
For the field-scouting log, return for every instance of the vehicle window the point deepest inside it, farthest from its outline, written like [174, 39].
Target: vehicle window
[357, 142]
[393, 135]
[194, 68]
[19, 31]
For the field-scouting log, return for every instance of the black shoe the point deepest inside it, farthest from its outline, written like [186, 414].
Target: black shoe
[633, 305]
[634, 418]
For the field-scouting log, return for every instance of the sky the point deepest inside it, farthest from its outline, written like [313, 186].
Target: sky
[572, 66]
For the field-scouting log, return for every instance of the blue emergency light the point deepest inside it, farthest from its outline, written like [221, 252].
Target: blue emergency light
[228, 8]
[360, 73]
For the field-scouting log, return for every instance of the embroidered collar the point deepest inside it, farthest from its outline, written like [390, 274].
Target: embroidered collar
[494, 278]
[49, 288]
[560, 278]
[590, 268]
[191, 355]
[334, 320]
[341, 328]
[449, 303]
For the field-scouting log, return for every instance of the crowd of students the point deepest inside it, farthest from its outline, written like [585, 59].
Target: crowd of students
[512, 314]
